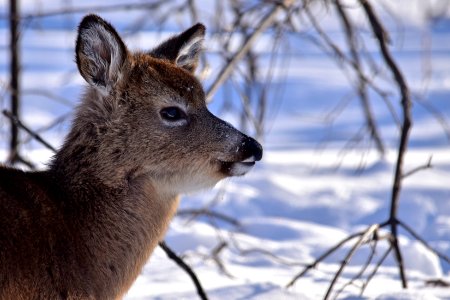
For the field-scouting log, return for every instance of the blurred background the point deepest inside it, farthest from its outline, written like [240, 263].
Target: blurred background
[310, 81]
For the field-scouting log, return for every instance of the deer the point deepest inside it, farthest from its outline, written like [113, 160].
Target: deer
[141, 136]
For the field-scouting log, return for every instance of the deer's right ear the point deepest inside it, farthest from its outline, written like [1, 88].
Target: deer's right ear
[184, 49]
[100, 52]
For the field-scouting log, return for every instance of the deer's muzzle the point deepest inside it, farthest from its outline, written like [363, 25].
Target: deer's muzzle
[249, 152]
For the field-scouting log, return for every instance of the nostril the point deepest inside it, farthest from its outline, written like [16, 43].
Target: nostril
[258, 151]
[253, 149]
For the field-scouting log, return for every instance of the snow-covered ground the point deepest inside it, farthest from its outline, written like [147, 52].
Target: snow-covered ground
[307, 194]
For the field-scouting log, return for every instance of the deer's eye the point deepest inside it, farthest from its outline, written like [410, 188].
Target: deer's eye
[172, 114]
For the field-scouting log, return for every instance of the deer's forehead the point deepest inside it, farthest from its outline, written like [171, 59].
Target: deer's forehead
[163, 76]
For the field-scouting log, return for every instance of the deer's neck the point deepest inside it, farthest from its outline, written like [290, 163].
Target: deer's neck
[126, 233]
[117, 221]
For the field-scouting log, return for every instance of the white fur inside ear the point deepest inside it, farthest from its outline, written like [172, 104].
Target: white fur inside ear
[104, 55]
[189, 53]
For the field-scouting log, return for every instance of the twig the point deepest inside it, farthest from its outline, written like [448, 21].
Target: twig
[265, 22]
[216, 258]
[19, 124]
[363, 269]
[437, 282]
[192, 10]
[17, 158]
[209, 213]
[201, 293]
[342, 58]
[58, 121]
[324, 256]
[14, 49]
[438, 115]
[419, 168]
[276, 258]
[336, 50]
[362, 86]
[421, 240]
[90, 8]
[382, 37]
[392, 222]
[375, 270]
[48, 94]
[363, 238]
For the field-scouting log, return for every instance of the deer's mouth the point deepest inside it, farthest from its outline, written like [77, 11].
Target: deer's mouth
[246, 154]
[237, 168]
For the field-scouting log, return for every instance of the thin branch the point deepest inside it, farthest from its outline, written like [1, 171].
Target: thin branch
[362, 86]
[276, 258]
[363, 269]
[438, 115]
[437, 283]
[201, 293]
[324, 256]
[50, 95]
[90, 8]
[209, 213]
[192, 10]
[419, 168]
[375, 270]
[19, 124]
[17, 158]
[341, 58]
[265, 22]
[14, 49]
[368, 233]
[336, 50]
[58, 121]
[382, 38]
[215, 255]
[421, 240]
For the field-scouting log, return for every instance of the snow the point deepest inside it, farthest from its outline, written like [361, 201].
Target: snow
[308, 193]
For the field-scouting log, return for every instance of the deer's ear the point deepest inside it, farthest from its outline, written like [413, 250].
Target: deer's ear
[184, 49]
[100, 52]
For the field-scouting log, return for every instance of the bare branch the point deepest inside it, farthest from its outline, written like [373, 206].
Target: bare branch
[14, 49]
[362, 89]
[209, 213]
[17, 158]
[419, 168]
[90, 8]
[437, 283]
[363, 269]
[324, 256]
[19, 124]
[421, 240]
[201, 293]
[58, 121]
[382, 38]
[375, 269]
[438, 115]
[276, 258]
[215, 255]
[340, 58]
[265, 22]
[368, 233]
[50, 95]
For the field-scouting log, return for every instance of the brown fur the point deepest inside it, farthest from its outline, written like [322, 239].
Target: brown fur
[84, 228]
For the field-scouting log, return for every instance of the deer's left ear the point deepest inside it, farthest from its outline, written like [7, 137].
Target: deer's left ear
[100, 52]
[184, 49]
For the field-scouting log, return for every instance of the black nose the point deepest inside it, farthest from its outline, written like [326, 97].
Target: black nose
[251, 148]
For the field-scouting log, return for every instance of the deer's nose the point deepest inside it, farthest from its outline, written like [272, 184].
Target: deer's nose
[251, 150]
